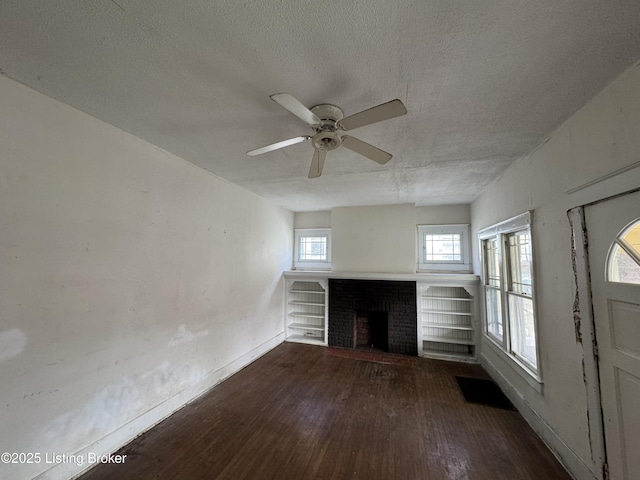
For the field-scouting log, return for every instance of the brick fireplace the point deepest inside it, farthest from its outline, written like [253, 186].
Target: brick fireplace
[361, 310]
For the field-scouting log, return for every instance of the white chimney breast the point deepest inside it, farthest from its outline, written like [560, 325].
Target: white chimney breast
[380, 239]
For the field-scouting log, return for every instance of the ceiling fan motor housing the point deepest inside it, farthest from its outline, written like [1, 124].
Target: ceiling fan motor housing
[326, 137]
[328, 113]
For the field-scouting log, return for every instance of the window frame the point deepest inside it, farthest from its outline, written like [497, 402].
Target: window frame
[502, 232]
[300, 233]
[462, 229]
[486, 282]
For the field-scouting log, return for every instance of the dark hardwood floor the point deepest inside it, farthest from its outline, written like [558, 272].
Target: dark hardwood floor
[300, 412]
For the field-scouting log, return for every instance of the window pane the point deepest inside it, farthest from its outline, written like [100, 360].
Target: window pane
[623, 268]
[632, 238]
[523, 334]
[492, 263]
[313, 248]
[494, 313]
[520, 262]
[443, 247]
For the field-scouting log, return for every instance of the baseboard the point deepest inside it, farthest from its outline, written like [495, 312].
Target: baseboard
[567, 457]
[127, 432]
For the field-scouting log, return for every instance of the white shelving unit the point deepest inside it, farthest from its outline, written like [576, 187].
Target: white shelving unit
[307, 311]
[447, 310]
[447, 320]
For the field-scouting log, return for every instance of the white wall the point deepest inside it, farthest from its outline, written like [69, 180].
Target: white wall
[601, 138]
[425, 215]
[130, 281]
[443, 215]
[377, 221]
[378, 239]
[320, 219]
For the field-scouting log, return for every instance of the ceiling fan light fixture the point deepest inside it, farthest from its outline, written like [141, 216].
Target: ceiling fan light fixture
[326, 141]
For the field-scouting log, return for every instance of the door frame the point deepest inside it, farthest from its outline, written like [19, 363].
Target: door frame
[584, 322]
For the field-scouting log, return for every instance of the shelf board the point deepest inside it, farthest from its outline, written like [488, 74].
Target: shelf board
[307, 291]
[306, 339]
[455, 356]
[306, 314]
[300, 302]
[457, 341]
[306, 326]
[448, 298]
[468, 314]
[450, 327]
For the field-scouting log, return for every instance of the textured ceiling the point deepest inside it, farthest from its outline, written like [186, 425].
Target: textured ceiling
[484, 82]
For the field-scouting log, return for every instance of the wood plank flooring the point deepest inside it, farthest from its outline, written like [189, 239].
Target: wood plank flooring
[300, 413]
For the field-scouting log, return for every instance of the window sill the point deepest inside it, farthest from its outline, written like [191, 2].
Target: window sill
[533, 379]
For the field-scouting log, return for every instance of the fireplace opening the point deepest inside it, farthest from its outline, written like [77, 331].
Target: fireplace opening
[371, 331]
[395, 299]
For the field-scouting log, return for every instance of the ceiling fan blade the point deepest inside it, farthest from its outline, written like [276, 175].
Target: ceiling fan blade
[366, 149]
[294, 106]
[317, 164]
[276, 146]
[392, 109]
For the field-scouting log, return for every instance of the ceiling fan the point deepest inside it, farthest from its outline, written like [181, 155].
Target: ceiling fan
[326, 120]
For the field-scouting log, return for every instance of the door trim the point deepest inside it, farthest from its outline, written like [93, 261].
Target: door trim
[584, 323]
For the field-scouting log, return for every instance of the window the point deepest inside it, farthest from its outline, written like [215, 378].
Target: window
[520, 297]
[507, 260]
[443, 247]
[493, 289]
[623, 265]
[312, 249]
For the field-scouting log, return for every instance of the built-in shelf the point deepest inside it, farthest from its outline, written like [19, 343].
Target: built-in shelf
[457, 341]
[306, 326]
[314, 340]
[448, 326]
[447, 318]
[447, 310]
[307, 312]
[447, 354]
[294, 302]
[451, 298]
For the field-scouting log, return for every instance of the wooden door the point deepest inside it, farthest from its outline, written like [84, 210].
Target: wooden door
[613, 231]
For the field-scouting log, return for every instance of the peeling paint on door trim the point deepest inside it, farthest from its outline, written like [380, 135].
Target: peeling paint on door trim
[585, 337]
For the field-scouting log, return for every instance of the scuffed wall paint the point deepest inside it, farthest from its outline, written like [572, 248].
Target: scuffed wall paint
[12, 343]
[108, 408]
[185, 336]
[128, 275]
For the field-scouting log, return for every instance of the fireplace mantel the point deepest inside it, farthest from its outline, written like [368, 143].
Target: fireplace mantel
[435, 278]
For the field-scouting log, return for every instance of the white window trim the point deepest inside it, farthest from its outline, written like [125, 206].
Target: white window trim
[307, 264]
[459, 228]
[500, 231]
[532, 378]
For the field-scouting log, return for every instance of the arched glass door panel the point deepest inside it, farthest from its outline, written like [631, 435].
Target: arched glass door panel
[623, 263]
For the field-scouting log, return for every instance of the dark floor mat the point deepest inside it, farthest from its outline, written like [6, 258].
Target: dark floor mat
[485, 392]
